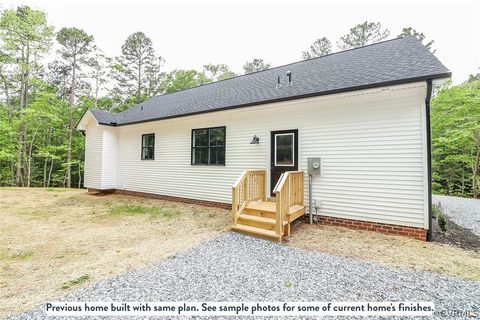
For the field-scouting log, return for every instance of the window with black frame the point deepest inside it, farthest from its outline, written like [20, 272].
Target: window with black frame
[208, 146]
[148, 146]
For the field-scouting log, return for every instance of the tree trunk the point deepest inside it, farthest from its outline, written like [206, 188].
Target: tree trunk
[18, 164]
[29, 159]
[50, 173]
[475, 172]
[79, 173]
[22, 127]
[97, 88]
[45, 165]
[139, 88]
[70, 126]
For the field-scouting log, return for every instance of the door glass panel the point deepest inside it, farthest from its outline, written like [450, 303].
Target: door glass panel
[284, 146]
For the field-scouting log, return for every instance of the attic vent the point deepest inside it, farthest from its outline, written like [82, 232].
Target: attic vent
[289, 75]
[278, 82]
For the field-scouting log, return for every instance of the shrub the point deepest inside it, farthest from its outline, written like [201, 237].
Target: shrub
[436, 209]
[442, 221]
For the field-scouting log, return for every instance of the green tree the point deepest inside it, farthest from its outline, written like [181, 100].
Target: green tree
[7, 80]
[216, 72]
[363, 34]
[319, 47]
[75, 44]
[473, 77]
[100, 69]
[8, 148]
[456, 139]
[137, 70]
[409, 31]
[26, 36]
[183, 79]
[255, 65]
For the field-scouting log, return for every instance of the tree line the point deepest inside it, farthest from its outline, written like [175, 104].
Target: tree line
[42, 101]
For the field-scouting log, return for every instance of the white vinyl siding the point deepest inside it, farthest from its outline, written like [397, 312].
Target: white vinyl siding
[93, 155]
[371, 142]
[109, 158]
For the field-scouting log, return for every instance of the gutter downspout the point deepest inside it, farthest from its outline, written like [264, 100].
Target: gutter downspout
[429, 158]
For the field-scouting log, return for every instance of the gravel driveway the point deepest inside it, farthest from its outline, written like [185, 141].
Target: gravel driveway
[463, 211]
[233, 267]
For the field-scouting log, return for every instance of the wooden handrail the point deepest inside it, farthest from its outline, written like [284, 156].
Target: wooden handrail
[250, 186]
[288, 193]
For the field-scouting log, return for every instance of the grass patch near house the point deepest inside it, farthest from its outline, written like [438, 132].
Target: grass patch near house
[55, 241]
[75, 282]
[5, 255]
[59, 190]
[388, 250]
[22, 255]
[155, 212]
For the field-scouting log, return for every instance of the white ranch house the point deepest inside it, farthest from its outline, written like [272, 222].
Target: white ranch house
[244, 143]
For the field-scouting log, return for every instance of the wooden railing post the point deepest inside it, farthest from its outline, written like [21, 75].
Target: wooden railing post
[278, 216]
[234, 205]
[288, 192]
[246, 185]
[264, 186]
[251, 185]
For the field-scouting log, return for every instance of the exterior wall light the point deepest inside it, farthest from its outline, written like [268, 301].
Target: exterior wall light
[255, 140]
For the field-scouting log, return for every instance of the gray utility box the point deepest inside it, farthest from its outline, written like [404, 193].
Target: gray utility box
[314, 166]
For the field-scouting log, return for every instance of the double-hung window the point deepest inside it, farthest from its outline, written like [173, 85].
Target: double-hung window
[148, 146]
[208, 146]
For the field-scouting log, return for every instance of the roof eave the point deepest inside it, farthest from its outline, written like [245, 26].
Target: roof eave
[80, 126]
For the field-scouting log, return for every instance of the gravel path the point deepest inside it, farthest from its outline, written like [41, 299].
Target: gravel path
[464, 212]
[233, 267]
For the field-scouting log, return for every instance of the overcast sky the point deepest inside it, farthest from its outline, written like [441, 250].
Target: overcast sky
[189, 34]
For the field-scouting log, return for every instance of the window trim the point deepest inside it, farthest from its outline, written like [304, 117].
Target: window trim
[142, 147]
[192, 147]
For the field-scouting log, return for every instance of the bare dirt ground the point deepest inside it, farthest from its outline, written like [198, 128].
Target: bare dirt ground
[388, 250]
[53, 241]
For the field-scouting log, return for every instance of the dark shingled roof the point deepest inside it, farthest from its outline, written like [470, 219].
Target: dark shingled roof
[391, 62]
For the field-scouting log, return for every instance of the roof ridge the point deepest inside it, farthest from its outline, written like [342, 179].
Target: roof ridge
[256, 72]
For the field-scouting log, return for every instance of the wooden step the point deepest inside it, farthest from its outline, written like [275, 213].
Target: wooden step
[268, 209]
[265, 209]
[257, 232]
[295, 212]
[258, 221]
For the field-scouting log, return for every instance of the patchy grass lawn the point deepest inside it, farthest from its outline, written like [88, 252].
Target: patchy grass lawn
[53, 241]
[388, 250]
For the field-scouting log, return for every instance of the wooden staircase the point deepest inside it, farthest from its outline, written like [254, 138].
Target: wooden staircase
[254, 214]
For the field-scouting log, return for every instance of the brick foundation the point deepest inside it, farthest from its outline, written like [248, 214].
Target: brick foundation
[411, 232]
[205, 203]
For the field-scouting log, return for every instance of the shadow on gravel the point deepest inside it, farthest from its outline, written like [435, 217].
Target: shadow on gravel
[456, 235]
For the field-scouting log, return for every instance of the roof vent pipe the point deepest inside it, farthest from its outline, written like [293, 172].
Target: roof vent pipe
[289, 75]
[278, 82]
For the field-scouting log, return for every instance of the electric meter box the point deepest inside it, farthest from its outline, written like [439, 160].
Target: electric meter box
[314, 166]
